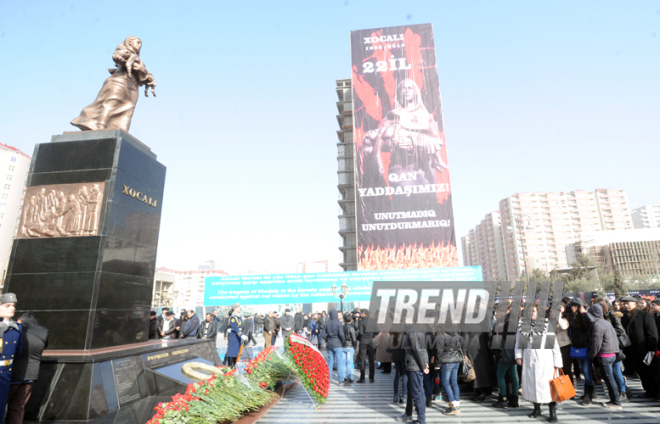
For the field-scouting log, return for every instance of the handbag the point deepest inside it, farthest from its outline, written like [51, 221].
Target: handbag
[561, 387]
[579, 352]
[466, 372]
[620, 356]
[624, 340]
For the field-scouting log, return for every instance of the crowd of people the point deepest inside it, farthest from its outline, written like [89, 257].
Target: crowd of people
[600, 343]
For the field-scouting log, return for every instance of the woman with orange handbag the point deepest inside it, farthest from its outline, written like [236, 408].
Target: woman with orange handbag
[538, 367]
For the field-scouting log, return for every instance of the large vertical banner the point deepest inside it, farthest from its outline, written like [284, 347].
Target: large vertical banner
[403, 196]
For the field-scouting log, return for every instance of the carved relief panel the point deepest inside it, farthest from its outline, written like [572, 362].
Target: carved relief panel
[61, 210]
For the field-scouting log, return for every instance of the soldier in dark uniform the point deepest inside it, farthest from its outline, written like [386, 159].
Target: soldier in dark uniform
[236, 336]
[12, 345]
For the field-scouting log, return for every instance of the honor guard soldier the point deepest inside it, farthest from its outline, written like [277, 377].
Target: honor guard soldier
[12, 345]
[236, 336]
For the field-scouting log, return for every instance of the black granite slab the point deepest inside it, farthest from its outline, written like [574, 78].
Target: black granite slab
[97, 289]
[112, 386]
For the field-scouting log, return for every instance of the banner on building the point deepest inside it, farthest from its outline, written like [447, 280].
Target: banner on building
[273, 289]
[403, 194]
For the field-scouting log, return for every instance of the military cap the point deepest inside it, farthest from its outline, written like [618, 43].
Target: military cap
[152, 314]
[7, 298]
[169, 313]
[234, 306]
[628, 299]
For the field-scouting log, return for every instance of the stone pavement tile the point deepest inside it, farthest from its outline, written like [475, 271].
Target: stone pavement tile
[371, 403]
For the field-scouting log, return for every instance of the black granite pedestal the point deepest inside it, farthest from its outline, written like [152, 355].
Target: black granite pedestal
[83, 262]
[92, 291]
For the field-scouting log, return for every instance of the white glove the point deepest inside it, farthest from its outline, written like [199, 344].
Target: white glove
[244, 337]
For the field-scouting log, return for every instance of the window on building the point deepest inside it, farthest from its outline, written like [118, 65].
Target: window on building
[13, 159]
[11, 168]
[5, 196]
[8, 177]
[7, 186]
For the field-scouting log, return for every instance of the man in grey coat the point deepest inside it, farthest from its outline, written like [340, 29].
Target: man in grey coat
[287, 323]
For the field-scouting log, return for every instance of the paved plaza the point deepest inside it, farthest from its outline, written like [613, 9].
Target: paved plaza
[371, 403]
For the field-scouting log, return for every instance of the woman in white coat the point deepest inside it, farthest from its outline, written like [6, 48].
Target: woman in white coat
[538, 368]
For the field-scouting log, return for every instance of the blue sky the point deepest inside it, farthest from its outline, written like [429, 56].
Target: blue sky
[537, 96]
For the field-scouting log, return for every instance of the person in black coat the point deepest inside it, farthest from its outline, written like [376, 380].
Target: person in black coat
[396, 347]
[417, 364]
[298, 322]
[181, 322]
[643, 333]
[208, 329]
[348, 347]
[26, 367]
[153, 326]
[580, 333]
[248, 329]
[333, 334]
[366, 347]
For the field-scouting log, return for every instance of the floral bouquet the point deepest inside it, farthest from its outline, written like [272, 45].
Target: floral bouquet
[226, 395]
[310, 367]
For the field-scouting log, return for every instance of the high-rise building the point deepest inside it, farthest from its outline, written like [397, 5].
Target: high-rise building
[545, 223]
[483, 246]
[346, 176]
[312, 267]
[208, 265]
[163, 291]
[14, 167]
[648, 216]
[188, 288]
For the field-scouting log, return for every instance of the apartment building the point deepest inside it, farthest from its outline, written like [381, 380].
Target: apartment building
[184, 289]
[648, 216]
[312, 267]
[542, 224]
[483, 246]
[14, 167]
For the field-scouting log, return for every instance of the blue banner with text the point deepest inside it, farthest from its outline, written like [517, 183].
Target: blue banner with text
[316, 288]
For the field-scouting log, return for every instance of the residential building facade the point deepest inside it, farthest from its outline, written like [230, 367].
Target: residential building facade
[543, 224]
[14, 168]
[648, 216]
[484, 246]
[187, 290]
[312, 267]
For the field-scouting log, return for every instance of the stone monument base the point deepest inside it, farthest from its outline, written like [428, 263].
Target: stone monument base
[113, 385]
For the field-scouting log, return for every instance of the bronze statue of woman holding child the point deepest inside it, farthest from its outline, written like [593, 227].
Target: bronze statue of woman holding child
[115, 103]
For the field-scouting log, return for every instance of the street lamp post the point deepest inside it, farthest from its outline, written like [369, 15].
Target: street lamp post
[519, 227]
[342, 294]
